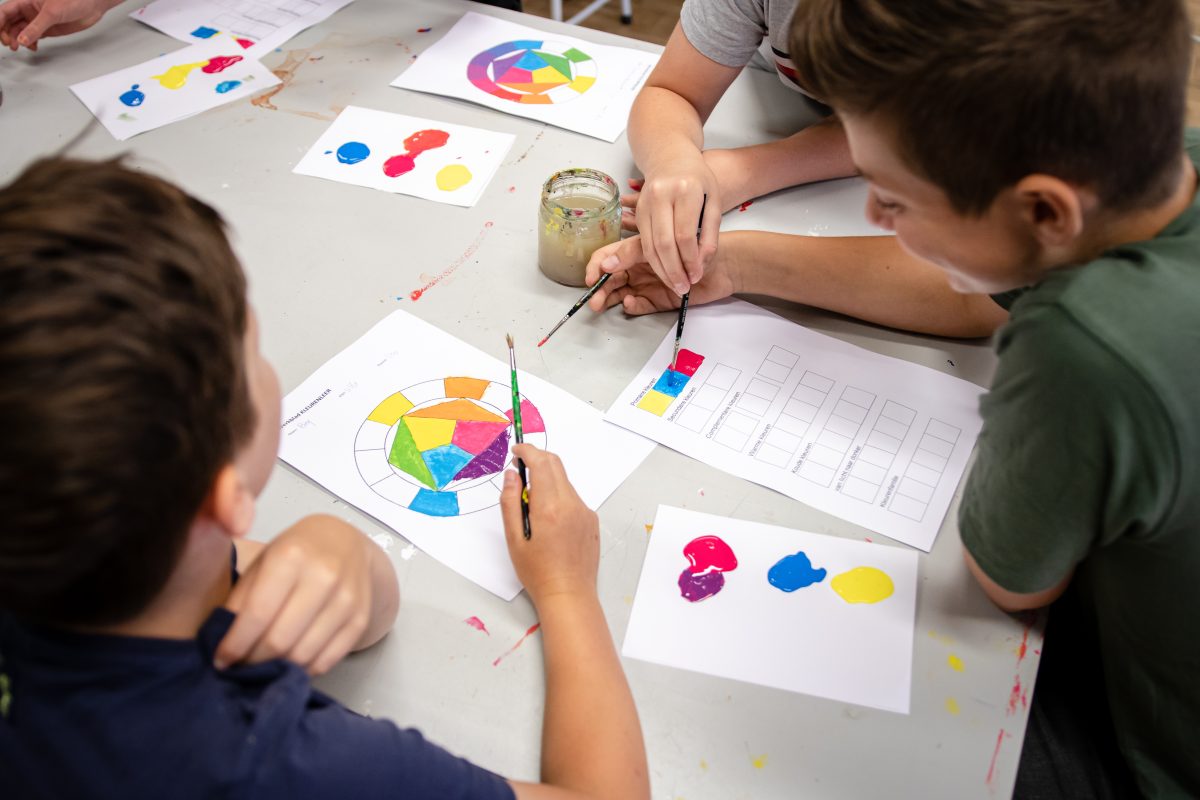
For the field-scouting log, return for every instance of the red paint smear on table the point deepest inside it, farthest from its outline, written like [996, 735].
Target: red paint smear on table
[415, 294]
[995, 754]
[1015, 695]
[220, 63]
[532, 630]
[745, 205]
[424, 30]
[512, 189]
[477, 624]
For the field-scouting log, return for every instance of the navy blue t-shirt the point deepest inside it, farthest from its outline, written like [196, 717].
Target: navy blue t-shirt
[90, 716]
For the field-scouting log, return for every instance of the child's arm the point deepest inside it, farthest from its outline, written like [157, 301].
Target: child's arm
[666, 134]
[591, 739]
[1014, 601]
[868, 277]
[317, 591]
[24, 22]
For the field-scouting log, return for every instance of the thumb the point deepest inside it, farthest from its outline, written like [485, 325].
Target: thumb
[510, 507]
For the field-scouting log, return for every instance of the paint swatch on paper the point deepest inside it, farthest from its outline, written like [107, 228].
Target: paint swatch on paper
[794, 572]
[863, 585]
[433, 160]
[671, 383]
[709, 557]
[536, 71]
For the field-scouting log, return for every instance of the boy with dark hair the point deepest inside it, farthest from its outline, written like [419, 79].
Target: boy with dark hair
[141, 424]
[1035, 150]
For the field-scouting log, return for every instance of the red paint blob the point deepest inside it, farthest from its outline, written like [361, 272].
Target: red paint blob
[512, 189]
[220, 63]
[421, 141]
[245, 43]
[477, 624]
[398, 165]
[745, 205]
[709, 554]
[415, 294]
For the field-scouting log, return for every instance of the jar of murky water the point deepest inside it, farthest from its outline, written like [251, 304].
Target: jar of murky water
[580, 212]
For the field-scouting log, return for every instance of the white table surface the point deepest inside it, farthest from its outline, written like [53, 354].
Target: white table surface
[326, 261]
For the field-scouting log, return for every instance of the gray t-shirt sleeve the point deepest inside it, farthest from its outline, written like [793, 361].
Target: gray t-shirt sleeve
[727, 31]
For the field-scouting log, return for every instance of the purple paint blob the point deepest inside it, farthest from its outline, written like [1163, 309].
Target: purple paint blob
[695, 588]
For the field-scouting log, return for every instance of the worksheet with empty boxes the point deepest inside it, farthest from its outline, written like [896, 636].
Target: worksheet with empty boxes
[875, 440]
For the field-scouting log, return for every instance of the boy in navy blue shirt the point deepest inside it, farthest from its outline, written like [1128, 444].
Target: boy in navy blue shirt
[147, 649]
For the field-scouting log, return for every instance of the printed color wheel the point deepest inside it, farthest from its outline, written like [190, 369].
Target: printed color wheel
[535, 72]
[440, 447]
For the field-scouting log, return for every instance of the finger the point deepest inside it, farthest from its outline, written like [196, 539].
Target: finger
[629, 200]
[592, 272]
[510, 508]
[308, 600]
[636, 305]
[600, 300]
[710, 231]
[662, 239]
[687, 227]
[637, 183]
[341, 644]
[629, 222]
[340, 612]
[256, 607]
[35, 29]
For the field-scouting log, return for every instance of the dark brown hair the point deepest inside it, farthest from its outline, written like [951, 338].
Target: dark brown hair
[122, 384]
[982, 93]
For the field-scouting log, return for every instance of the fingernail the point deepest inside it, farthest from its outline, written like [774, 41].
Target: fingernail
[220, 663]
[510, 479]
[681, 289]
[610, 263]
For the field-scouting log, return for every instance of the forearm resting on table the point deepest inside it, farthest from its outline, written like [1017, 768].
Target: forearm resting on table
[591, 740]
[817, 153]
[867, 277]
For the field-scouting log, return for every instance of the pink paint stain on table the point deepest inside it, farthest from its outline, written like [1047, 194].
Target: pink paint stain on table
[415, 294]
[477, 624]
[991, 773]
[532, 630]
[745, 205]
[220, 64]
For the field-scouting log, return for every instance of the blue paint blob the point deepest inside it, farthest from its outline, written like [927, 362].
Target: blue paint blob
[794, 572]
[435, 504]
[205, 32]
[352, 152]
[225, 86]
[671, 383]
[133, 97]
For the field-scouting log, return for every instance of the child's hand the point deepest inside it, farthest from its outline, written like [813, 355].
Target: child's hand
[629, 204]
[306, 597]
[668, 210]
[24, 22]
[638, 289]
[563, 554]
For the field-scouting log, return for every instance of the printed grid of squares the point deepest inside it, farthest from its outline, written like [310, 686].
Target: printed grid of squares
[259, 21]
[925, 470]
[708, 398]
[878, 452]
[833, 442]
[783, 440]
[756, 399]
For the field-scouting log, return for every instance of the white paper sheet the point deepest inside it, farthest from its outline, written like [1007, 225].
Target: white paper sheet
[407, 155]
[574, 84]
[405, 379]
[811, 639]
[173, 87]
[259, 25]
[875, 440]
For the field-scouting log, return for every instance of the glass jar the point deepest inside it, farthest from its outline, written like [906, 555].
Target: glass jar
[580, 212]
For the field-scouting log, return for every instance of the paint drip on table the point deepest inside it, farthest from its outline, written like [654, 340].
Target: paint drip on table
[709, 558]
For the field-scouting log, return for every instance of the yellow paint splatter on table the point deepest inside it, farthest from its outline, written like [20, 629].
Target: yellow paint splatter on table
[952, 706]
[760, 761]
[955, 662]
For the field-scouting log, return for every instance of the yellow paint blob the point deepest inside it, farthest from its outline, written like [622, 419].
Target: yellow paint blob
[863, 585]
[176, 76]
[649, 528]
[454, 176]
[760, 762]
[703, 764]
[952, 706]
[955, 662]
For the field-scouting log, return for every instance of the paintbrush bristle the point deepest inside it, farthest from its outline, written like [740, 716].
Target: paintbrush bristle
[508, 336]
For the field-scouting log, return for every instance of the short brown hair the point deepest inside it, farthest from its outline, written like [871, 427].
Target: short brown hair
[122, 384]
[985, 92]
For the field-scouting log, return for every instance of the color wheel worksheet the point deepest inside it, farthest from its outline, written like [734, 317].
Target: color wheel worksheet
[415, 428]
[875, 440]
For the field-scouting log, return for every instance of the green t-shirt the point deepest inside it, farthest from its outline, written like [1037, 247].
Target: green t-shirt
[1090, 459]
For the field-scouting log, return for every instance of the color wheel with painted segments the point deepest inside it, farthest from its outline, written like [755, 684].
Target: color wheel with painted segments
[440, 447]
[533, 71]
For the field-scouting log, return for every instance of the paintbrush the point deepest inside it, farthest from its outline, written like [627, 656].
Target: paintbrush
[683, 301]
[578, 305]
[519, 434]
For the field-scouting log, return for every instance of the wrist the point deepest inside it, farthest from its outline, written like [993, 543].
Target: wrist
[569, 599]
[732, 257]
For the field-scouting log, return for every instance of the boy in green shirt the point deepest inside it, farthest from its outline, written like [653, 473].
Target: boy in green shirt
[1036, 151]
